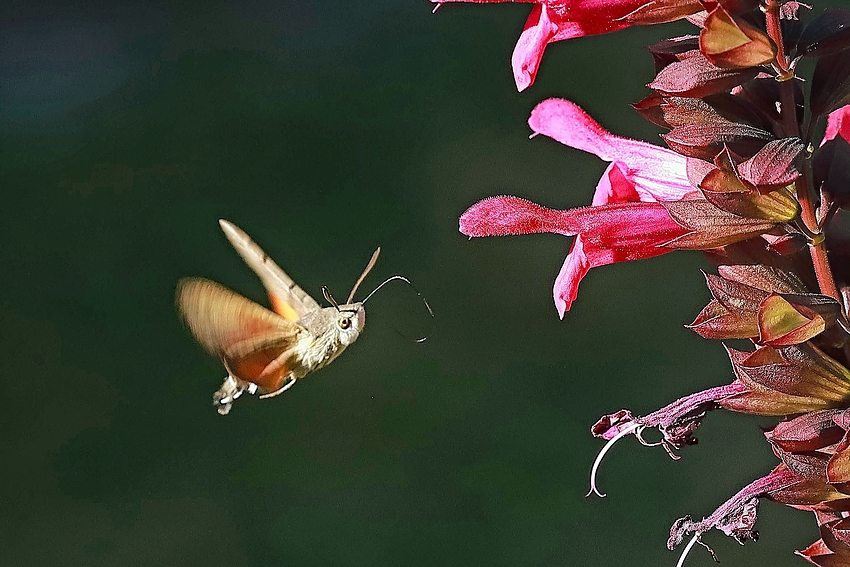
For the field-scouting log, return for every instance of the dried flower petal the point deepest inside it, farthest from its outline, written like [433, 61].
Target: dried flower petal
[676, 423]
[737, 516]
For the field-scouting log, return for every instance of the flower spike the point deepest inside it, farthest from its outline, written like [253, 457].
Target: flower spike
[747, 178]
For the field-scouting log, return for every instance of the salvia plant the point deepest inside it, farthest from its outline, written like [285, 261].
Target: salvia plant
[755, 174]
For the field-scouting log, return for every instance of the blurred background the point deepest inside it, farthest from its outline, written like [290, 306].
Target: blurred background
[325, 129]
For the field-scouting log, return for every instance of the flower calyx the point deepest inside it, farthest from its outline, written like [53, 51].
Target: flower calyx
[779, 316]
[787, 381]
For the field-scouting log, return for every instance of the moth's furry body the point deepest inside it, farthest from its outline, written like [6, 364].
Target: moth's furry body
[327, 339]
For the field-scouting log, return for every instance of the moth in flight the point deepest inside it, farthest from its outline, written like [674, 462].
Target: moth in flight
[264, 350]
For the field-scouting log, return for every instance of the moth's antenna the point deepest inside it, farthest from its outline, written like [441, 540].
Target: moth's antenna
[407, 281]
[328, 297]
[365, 273]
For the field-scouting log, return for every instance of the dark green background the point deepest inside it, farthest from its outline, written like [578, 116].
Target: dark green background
[325, 129]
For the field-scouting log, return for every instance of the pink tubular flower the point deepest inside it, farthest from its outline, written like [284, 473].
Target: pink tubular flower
[639, 173]
[617, 232]
[643, 206]
[556, 20]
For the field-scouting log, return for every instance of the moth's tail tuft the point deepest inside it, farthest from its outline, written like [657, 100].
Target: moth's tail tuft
[231, 389]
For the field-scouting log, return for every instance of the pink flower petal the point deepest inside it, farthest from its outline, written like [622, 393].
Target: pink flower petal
[481, 1]
[584, 256]
[838, 124]
[614, 187]
[572, 272]
[528, 53]
[638, 172]
[655, 173]
[568, 123]
[626, 228]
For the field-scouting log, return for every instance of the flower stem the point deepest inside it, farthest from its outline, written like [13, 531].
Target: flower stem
[774, 31]
[804, 185]
[817, 245]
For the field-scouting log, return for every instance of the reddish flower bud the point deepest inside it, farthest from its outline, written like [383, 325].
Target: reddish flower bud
[726, 189]
[782, 323]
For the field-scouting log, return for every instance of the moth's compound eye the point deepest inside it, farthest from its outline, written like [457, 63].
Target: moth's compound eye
[344, 323]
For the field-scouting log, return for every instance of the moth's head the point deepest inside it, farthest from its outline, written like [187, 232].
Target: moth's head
[350, 320]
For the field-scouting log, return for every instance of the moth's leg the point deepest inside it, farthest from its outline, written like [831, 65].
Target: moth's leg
[231, 389]
[290, 383]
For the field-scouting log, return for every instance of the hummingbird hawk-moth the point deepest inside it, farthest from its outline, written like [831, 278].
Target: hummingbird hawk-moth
[268, 350]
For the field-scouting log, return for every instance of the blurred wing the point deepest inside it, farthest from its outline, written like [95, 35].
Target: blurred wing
[288, 300]
[255, 344]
